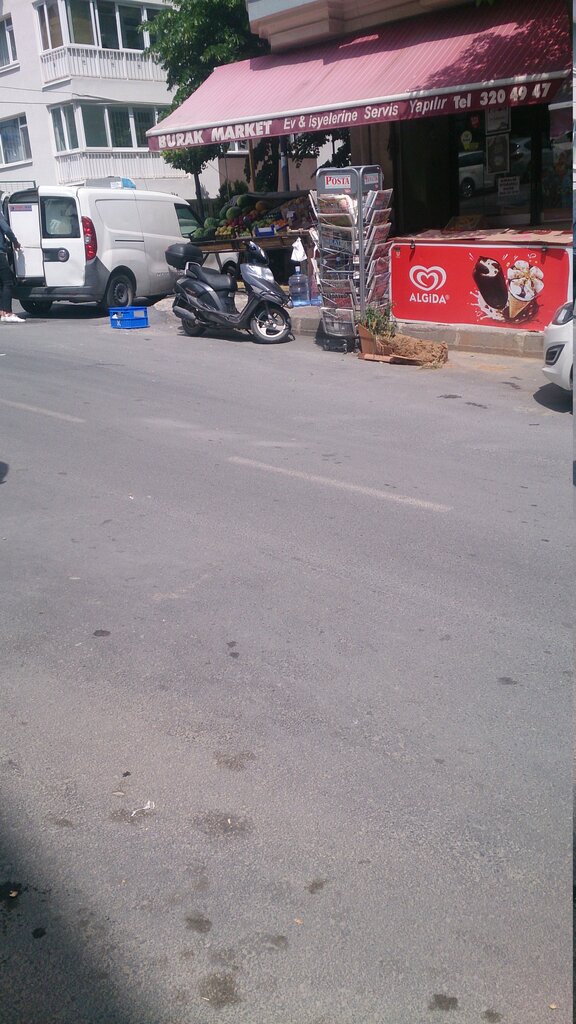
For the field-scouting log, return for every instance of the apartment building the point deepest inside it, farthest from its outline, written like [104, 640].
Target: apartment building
[78, 93]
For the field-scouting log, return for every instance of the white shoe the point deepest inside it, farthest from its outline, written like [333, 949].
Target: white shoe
[11, 318]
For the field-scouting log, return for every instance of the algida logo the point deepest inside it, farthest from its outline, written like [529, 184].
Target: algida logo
[428, 281]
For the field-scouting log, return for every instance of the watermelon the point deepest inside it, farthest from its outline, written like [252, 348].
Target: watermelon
[211, 222]
[233, 213]
[244, 202]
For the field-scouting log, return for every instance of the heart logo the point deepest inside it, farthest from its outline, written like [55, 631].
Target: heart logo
[428, 279]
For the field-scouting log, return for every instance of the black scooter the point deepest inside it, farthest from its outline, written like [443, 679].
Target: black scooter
[205, 298]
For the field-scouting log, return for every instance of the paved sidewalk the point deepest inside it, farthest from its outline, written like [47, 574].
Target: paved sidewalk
[307, 321]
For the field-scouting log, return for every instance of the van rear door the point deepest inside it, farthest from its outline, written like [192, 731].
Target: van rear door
[23, 213]
[63, 250]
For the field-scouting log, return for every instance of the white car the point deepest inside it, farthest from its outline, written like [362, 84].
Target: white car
[559, 347]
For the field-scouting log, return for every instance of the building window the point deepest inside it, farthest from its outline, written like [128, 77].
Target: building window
[50, 27]
[130, 21]
[14, 141]
[96, 23]
[120, 134]
[117, 126]
[8, 53]
[106, 14]
[95, 127]
[80, 22]
[143, 120]
[64, 124]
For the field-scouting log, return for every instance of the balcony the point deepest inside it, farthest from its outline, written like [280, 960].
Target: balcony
[129, 163]
[92, 62]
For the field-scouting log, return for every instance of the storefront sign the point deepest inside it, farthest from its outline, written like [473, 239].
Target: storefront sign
[496, 286]
[454, 102]
[339, 182]
[509, 186]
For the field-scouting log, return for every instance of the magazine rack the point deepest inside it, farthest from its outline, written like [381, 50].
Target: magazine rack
[353, 268]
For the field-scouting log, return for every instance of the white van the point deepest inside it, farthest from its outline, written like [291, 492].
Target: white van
[87, 244]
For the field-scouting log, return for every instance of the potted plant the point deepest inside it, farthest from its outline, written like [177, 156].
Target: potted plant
[376, 328]
[380, 341]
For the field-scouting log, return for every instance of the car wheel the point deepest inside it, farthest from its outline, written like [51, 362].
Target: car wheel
[35, 308]
[119, 292]
[467, 188]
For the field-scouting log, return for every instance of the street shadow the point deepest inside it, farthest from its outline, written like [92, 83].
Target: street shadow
[53, 969]
[233, 336]
[66, 311]
[554, 398]
[4, 467]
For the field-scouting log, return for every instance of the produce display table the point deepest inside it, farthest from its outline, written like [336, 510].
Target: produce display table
[512, 279]
[281, 243]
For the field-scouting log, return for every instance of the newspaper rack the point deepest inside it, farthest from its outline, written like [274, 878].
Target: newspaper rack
[354, 222]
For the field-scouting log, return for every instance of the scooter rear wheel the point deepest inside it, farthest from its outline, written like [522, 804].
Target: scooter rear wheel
[192, 330]
[270, 325]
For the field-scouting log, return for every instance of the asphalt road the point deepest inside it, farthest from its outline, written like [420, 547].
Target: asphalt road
[286, 684]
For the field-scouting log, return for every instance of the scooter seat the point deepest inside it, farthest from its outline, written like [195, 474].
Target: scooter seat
[219, 282]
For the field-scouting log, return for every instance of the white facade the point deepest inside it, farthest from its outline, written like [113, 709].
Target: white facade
[77, 93]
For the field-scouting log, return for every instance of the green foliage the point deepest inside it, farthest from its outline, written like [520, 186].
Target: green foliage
[189, 39]
[266, 157]
[379, 321]
[309, 144]
[229, 189]
[193, 160]
[192, 37]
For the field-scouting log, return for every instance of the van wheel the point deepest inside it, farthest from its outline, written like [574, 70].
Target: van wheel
[120, 292]
[35, 308]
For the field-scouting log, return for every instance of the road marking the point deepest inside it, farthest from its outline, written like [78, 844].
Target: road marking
[41, 412]
[370, 492]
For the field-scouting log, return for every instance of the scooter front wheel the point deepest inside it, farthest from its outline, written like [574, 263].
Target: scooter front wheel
[270, 325]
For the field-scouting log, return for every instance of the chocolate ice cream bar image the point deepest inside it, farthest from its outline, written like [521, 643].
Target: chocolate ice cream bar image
[491, 283]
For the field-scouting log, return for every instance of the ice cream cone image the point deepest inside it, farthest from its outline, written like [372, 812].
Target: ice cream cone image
[517, 306]
[524, 284]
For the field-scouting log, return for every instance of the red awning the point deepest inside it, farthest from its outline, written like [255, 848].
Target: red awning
[514, 53]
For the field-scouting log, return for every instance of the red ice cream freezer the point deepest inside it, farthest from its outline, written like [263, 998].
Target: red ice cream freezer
[510, 279]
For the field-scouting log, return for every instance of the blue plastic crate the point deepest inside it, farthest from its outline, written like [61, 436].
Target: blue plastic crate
[128, 317]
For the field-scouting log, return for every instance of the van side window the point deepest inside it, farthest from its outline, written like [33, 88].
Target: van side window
[59, 217]
[186, 219]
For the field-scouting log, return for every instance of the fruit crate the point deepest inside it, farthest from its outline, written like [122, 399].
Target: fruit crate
[128, 317]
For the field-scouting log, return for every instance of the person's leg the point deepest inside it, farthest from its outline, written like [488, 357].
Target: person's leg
[6, 314]
[5, 285]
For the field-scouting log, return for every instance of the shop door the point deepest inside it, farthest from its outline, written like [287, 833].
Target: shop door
[424, 175]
